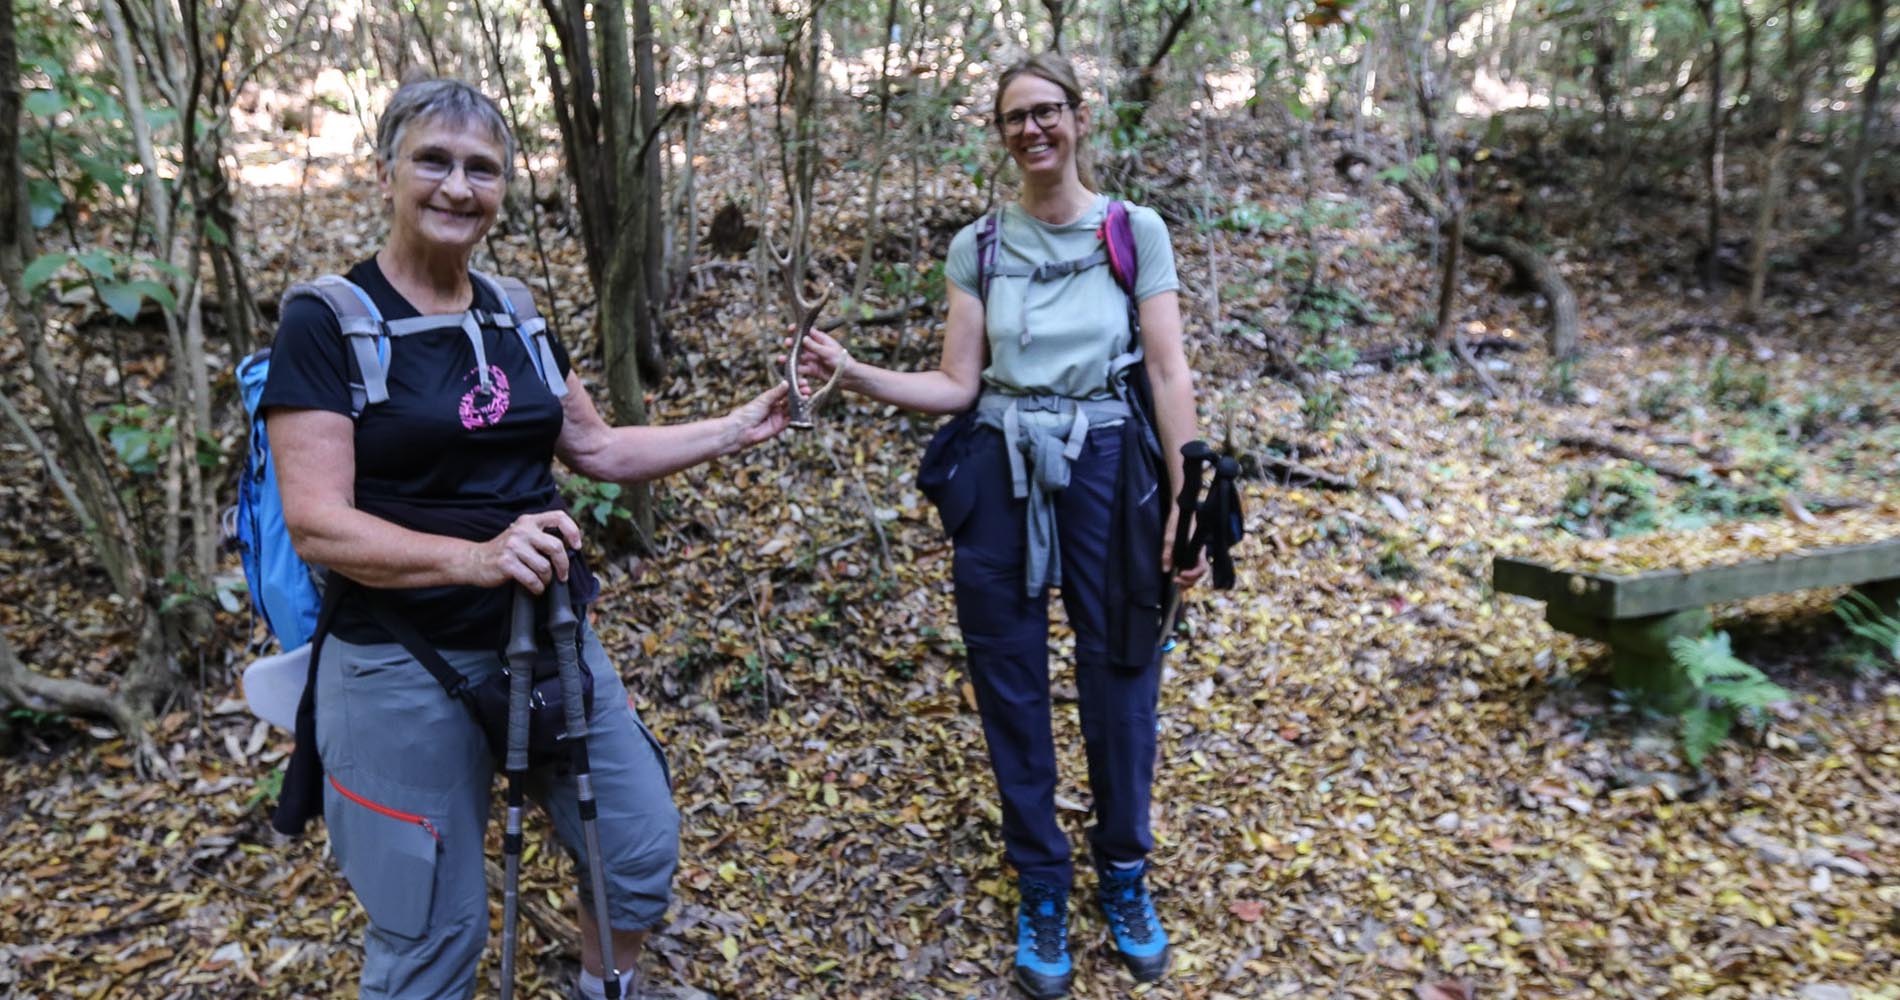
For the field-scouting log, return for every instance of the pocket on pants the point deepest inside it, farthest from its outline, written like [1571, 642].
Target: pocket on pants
[389, 857]
[659, 752]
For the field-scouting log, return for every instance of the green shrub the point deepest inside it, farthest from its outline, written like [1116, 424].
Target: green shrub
[1320, 405]
[1619, 499]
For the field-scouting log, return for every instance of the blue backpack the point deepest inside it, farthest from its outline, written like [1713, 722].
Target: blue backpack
[285, 590]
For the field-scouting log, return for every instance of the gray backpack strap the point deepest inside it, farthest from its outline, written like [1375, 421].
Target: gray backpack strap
[362, 328]
[528, 323]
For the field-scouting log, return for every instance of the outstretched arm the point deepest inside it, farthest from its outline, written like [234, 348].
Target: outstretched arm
[591, 447]
[950, 387]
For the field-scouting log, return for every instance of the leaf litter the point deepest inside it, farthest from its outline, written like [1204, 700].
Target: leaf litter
[1377, 778]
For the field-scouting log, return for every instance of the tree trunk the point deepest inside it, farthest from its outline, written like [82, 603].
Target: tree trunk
[1712, 160]
[873, 195]
[599, 130]
[1448, 278]
[651, 339]
[1147, 78]
[80, 455]
[1056, 13]
[1855, 223]
[1798, 68]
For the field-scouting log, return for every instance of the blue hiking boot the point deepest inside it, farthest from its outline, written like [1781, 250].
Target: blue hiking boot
[1139, 938]
[1043, 968]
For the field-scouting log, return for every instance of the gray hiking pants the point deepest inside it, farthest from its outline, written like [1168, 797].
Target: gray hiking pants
[408, 785]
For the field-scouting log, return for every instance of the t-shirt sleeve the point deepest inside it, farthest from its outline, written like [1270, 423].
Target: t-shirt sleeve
[1154, 254]
[309, 369]
[960, 267]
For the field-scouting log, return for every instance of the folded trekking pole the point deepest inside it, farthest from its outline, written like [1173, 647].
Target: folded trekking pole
[564, 629]
[1195, 457]
[1220, 525]
[521, 653]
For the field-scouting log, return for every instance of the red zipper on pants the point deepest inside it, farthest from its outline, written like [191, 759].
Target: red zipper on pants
[421, 821]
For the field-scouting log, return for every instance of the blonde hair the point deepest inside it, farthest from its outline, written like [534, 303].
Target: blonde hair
[1056, 69]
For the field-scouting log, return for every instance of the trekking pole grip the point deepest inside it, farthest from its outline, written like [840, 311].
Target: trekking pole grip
[1195, 456]
[564, 628]
[520, 678]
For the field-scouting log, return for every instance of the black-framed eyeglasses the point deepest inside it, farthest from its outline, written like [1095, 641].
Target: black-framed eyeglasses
[1046, 116]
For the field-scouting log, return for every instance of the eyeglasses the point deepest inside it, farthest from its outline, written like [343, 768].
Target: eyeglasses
[433, 166]
[1046, 116]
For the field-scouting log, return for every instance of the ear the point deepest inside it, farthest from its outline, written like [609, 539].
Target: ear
[1082, 117]
[382, 175]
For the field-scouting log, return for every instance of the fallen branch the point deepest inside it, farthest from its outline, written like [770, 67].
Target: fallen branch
[1463, 352]
[554, 925]
[1293, 473]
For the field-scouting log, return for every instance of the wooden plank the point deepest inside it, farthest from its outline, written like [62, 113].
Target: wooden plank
[1587, 594]
[1607, 596]
[1672, 590]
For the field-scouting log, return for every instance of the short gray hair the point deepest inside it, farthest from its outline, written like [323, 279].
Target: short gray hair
[450, 100]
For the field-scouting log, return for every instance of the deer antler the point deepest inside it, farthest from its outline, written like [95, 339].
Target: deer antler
[805, 311]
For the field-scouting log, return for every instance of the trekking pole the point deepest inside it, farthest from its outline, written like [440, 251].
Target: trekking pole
[1195, 457]
[564, 629]
[520, 683]
[1222, 524]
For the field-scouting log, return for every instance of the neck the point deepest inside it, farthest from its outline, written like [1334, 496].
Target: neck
[1055, 200]
[432, 282]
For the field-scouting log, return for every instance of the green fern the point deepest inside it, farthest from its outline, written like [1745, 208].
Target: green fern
[1725, 686]
[1865, 619]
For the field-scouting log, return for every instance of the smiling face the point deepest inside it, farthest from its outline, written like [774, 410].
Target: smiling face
[444, 185]
[1045, 150]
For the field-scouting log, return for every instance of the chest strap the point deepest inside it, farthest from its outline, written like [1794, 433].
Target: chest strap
[1044, 272]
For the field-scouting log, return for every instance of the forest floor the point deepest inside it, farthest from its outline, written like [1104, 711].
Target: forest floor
[1377, 777]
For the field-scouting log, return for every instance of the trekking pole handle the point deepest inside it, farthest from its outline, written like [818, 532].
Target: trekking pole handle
[520, 679]
[1195, 456]
[1226, 524]
[564, 628]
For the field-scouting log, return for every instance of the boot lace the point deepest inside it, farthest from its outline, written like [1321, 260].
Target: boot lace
[1043, 905]
[1129, 909]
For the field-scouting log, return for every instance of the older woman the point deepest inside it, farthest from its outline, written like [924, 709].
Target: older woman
[432, 506]
[1051, 482]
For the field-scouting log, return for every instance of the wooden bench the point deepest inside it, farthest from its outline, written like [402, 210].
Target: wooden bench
[1637, 614]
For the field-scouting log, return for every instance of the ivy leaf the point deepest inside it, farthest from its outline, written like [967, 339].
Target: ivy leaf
[98, 262]
[43, 268]
[45, 199]
[123, 299]
[45, 103]
[156, 291]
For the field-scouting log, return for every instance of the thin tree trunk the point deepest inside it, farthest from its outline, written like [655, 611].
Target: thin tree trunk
[1855, 223]
[1056, 9]
[873, 195]
[1712, 159]
[1799, 68]
[652, 344]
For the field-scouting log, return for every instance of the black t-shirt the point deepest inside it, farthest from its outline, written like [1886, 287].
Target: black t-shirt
[438, 456]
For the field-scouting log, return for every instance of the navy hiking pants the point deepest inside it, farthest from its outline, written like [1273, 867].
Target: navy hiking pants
[1007, 636]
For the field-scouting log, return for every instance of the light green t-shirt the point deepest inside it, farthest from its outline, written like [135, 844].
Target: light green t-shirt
[1078, 322]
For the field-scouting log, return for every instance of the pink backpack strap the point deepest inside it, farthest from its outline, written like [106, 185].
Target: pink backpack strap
[1118, 238]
